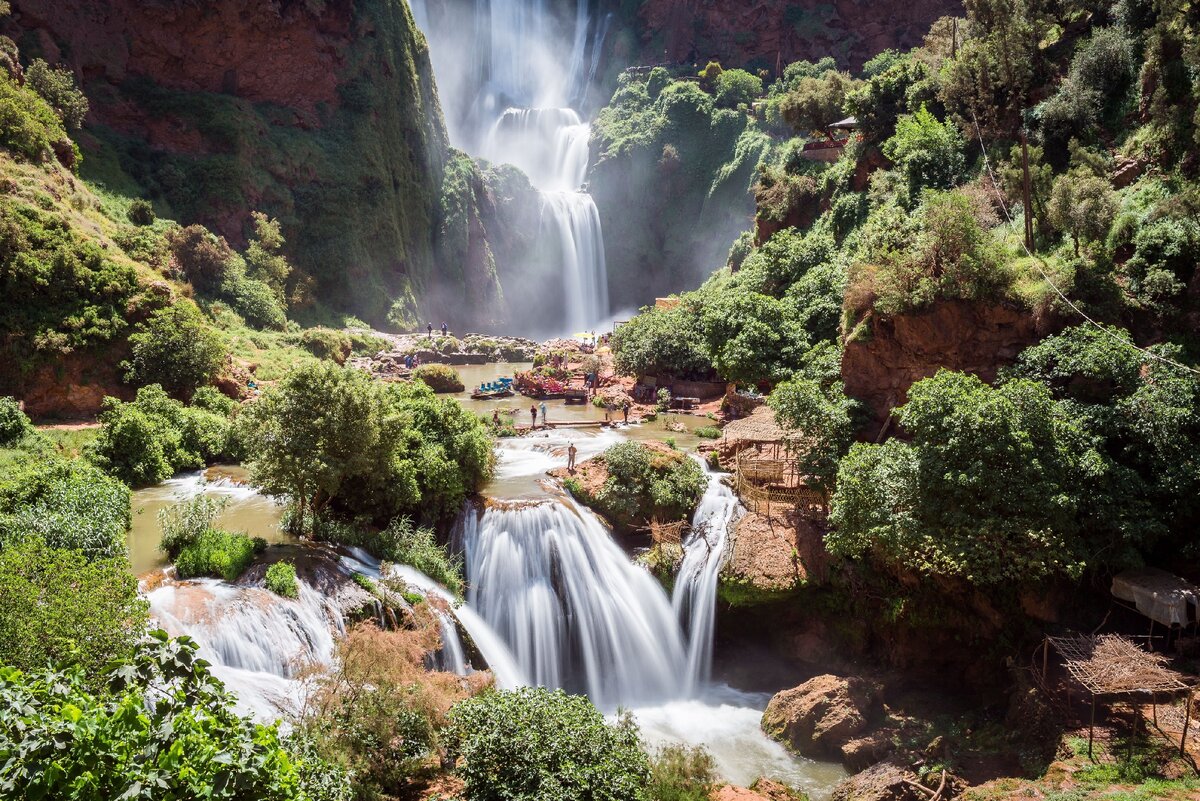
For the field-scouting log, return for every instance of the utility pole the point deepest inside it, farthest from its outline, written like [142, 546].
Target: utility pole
[1026, 192]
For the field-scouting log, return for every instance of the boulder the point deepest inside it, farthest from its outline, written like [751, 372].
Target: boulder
[861, 753]
[884, 781]
[821, 715]
[729, 792]
[776, 791]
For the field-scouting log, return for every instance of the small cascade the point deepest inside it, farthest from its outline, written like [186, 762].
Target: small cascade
[695, 593]
[570, 606]
[550, 145]
[570, 228]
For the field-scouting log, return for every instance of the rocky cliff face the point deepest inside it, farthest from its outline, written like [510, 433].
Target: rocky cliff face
[890, 354]
[773, 33]
[322, 113]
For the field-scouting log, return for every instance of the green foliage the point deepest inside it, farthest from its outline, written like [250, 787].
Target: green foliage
[201, 256]
[61, 293]
[140, 212]
[825, 420]
[332, 437]
[403, 544]
[815, 102]
[749, 335]
[14, 425]
[928, 153]
[737, 87]
[254, 290]
[648, 485]
[880, 100]
[166, 728]
[29, 127]
[57, 87]
[176, 349]
[182, 523]
[211, 399]
[264, 257]
[708, 432]
[216, 553]
[681, 773]
[59, 607]
[535, 744]
[326, 343]
[68, 503]
[439, 377]
[1082, 205]
[154, 436]
[281, 579]
[988, 490]
[662, 342]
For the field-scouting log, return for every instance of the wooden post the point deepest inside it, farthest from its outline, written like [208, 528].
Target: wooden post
[1187, 717]
[1027, 192]
[1046, 662]
[1092, 727]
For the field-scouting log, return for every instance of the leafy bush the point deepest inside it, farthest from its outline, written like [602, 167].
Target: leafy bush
[29, 127]
[439, 377]
[154, 436]
[57, 86]
[826, 421]
[211, 399]
[253, 299]
[140, 212]
[645, 485]
[332, 438]
[660, 342]
[182, 523]
[535, 744]
[326, 343]
[216, 553]
[681, 773]
[176, 349]
[737, 87]
[708, 432]
[165, 723]
[928, 153]
[59, 607]
[281, 579]
[815, 102]
[68, 503]
[987, 491]
[14, 425]
[264, 255]
[201, 256]
[1082, 205]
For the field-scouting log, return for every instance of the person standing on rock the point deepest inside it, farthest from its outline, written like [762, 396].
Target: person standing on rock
[571, 451]
[532, 417]
[444, 329]
[542, 406]
[429, 328]
[625, 411]
[496, 418]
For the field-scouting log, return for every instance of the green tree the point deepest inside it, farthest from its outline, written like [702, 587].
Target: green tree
[264, 255]
[737, 87]
[14, 425]
[823, 419]
[817, 101]
[175, 348]
[661, 342]
[927, 152]
[201, 256]
[1082, 205]
[57, 607]
[645, 485]
[57, 86]
[749, 336]
[987, 491]
[165, 729]
[535, 744]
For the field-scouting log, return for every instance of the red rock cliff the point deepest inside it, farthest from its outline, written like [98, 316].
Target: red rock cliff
[880, 366]
[768, 33]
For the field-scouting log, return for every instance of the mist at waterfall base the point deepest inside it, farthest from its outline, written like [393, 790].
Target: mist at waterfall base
[513, 99]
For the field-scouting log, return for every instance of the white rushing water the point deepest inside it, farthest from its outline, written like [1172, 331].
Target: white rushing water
[510, 101]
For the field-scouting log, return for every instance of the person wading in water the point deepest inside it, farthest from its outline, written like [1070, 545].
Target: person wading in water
[532, 417]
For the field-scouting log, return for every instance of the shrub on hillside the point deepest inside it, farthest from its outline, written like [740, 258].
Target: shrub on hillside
[216, 553]
[326, 343]
[57, 87]
[682, 773]
[928, 153]
[737, 87]
[68, 503]
[176, 349]
[661, 342]
[533, 744]
[162, 721]
[439, 377]
[140, 212]
[29, 127]
[815, 102]
[14, 425]
[202, 257]
[281, 579]
[58, 607]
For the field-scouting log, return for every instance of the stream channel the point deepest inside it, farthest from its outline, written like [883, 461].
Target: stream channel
[553, 600]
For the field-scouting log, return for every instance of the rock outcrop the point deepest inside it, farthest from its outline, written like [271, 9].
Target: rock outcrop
[768, 33]
[770, 556]
[887, 781]
[821, 715]
[890, 354]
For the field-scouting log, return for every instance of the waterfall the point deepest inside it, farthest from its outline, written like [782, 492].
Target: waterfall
[576, 613]
[695, 593]
[510, 101]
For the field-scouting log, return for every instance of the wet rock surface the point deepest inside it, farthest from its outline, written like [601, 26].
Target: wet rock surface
[820, 716]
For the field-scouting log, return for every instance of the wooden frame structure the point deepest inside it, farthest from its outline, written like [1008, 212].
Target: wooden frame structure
[1112, 666]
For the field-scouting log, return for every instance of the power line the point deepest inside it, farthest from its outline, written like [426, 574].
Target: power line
[1038, 265]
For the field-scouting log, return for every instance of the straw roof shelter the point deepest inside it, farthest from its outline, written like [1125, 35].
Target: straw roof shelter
[1112, 666]
[758, 427]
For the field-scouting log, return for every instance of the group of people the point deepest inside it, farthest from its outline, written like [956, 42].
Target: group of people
[412, 361]
[429, 328]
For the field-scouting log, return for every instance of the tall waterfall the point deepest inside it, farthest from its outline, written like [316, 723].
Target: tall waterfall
[509, 100]
[576, 613]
